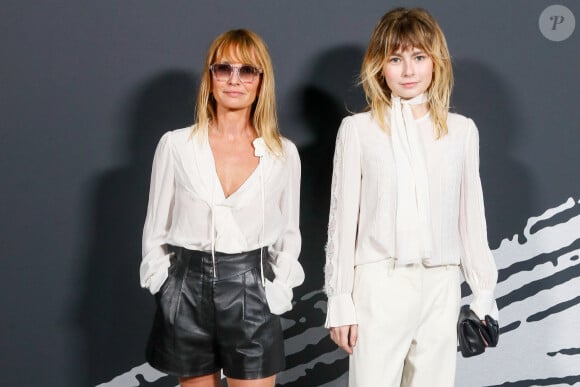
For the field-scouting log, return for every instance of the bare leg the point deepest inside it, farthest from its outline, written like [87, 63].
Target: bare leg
[266, 382]
[211, 380]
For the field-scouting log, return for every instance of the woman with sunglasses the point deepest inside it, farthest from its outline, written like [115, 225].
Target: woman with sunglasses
[406, 214]
[221, 238]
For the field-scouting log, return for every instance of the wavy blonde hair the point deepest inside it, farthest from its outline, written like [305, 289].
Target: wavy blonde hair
[249, 48]
[402, 29]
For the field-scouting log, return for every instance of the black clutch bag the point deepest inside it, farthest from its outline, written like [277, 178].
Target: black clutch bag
[471, 332]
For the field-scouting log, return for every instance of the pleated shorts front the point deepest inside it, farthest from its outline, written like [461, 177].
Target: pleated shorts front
[209, 320]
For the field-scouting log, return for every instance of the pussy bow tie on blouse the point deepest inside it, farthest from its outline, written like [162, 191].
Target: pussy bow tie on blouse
[413, 210]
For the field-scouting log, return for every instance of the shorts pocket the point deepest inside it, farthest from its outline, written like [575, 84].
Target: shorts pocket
[170, 275]
[169, 296]
[255, 305]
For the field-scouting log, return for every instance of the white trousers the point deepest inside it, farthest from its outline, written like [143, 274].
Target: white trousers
[407, 319]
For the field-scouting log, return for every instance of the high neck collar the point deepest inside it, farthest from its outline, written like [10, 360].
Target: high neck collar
[418, 100]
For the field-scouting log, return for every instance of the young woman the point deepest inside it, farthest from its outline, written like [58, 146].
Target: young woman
[221, 237]
[406, 214]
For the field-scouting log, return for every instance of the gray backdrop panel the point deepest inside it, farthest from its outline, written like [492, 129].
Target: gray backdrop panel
[87, 89]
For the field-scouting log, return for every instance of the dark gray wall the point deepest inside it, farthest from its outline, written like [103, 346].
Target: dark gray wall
[87, 89]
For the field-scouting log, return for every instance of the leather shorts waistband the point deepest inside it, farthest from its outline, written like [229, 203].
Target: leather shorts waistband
[226, 265]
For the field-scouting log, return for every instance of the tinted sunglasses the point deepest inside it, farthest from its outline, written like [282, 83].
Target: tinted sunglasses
[246, 73]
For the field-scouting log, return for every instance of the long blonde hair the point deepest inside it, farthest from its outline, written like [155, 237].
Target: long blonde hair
[401, 29]
[251, 49]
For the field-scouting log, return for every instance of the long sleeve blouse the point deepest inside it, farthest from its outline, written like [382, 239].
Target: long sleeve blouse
[362, 219]
[185, 190]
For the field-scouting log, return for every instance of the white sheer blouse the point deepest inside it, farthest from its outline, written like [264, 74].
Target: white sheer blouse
[185, 194]
[363, 209]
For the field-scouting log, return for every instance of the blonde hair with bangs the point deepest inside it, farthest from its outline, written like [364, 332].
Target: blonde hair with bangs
[248, 47]
[402, 29]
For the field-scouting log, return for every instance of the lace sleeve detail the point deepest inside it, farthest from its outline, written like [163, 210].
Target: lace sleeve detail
[329, 286]
[343, 216]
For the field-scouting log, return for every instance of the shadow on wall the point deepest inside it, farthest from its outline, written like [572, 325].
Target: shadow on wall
[114, 313]
[479, 93]
[329, 94]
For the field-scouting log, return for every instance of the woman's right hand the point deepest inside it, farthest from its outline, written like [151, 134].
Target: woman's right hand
[345, 336]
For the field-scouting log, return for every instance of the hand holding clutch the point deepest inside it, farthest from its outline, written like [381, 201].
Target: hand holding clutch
[474, 335]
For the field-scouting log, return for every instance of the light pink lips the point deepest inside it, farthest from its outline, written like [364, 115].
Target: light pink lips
[409, 85]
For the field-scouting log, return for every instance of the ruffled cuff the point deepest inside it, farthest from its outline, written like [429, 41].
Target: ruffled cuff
[153, 273]
[340, 311]
[279, 297]
[483, 304]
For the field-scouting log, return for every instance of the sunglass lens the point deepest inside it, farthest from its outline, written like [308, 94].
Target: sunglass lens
[222, 71]
[247, 73]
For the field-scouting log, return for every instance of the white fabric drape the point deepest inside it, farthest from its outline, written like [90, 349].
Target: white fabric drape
[413, 210]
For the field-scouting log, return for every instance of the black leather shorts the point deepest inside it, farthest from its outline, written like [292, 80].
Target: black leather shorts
[205, 323]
